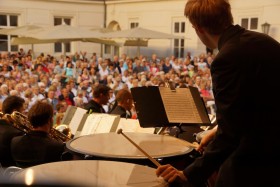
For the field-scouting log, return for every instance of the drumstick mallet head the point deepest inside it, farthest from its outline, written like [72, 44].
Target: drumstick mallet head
[120, 131]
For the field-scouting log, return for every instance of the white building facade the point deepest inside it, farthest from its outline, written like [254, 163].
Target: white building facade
[81, 13]
[160, 15]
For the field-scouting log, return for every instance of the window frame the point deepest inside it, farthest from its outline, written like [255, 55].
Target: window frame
[179, 29]
[9, 47]
[249, 25]
[60, 47]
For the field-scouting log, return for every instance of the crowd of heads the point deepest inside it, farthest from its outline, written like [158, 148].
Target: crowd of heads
[74, 79]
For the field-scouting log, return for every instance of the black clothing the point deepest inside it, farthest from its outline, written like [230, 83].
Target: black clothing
[7, 132]
[35, 148]
[94, 107]
[121, 111]
[117, 65]
[245, 75]
[166, 68]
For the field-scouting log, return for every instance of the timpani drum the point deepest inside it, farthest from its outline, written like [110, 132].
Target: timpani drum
[91, 173]
[115, 147]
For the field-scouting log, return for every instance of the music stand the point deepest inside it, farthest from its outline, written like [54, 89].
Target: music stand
[165, 107]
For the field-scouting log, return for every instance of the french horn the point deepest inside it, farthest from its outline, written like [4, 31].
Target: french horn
[21, 122]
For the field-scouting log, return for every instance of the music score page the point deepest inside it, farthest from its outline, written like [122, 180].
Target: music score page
[98, 123]
[133, 125]
[75, 121]
[179, 106]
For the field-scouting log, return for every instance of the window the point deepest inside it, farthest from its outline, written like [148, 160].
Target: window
[134, 25]
[60, 47]
[107, 49]
[116, 50]
[244, 23]
[179, 44]
[179, 48]
[254, 24]
[179, 27]
[249, 23]
[13, 20]
[57, 21]
[3, 20]
[3, 43]
[7, 21]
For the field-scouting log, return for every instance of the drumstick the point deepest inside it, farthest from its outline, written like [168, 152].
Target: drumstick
[140, 149]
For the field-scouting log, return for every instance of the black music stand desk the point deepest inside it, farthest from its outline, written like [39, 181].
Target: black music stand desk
[165, 107]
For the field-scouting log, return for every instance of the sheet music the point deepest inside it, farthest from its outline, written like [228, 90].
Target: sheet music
[68, 115]
[145, 130]
[105, 123]
[133, 125]
[75, 121]
[90, 124]
[180, 106]
[98, 123]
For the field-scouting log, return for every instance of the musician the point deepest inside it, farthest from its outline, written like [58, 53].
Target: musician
[101, 97]
[245, 147]
[37, 147]
[123, 104]
[7, 131]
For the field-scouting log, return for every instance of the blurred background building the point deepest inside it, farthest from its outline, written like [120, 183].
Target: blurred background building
[160, 15]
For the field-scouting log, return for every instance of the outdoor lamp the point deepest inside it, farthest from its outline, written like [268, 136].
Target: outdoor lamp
[265, 28]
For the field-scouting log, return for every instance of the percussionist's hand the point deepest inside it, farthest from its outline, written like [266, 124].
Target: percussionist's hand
[206, 139]
[170, 174]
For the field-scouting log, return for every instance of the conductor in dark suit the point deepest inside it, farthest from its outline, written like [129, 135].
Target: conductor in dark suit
[37, 147]
[123, 104]
[245, 75]
[101, 97]
[7, 130]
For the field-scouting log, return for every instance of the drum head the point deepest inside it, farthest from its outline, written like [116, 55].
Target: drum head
[90, 173]
[116, 145]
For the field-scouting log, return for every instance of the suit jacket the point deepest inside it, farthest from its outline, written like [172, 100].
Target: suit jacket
[35, 148]
[121, 111]
[7, 132]
[94, 107]
[245, 75]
